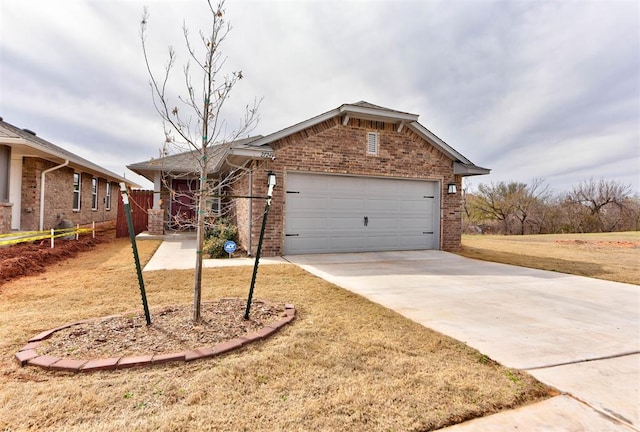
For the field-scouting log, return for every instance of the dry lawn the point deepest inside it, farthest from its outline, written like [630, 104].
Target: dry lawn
[343, 364]
[610, 256]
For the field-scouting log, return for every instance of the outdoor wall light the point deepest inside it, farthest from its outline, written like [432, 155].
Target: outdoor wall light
[271, 176]
[452, 188]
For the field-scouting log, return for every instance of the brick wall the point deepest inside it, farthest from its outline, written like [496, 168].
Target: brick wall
[5, 218]
[330, 147]
[59, 196]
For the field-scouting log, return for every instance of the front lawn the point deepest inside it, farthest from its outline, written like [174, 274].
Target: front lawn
[343, 364]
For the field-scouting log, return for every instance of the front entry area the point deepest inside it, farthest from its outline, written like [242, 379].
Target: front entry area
[336, 213]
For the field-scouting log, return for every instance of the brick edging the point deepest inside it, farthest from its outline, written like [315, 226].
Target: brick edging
[28, 355]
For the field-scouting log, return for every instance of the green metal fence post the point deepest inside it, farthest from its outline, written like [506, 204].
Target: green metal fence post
[271, 184]
[132, 237]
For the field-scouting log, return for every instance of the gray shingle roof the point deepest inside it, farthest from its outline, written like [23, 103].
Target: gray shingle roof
[10, 134]
[186, 162]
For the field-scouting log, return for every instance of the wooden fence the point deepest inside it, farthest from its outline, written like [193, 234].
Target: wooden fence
[140, 201]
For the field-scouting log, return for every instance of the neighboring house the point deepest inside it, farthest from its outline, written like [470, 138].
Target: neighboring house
[42, 184]
[357, 178]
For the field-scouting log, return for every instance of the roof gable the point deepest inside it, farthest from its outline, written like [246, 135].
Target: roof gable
[261, 145]
[369, 111]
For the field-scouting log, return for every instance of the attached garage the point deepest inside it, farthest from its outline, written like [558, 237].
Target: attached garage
[336, 213]
[357, 178]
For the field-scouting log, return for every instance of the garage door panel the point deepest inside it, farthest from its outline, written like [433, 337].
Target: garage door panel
[309, 244]
[422, 205]
[345, 223]
[327, 214]
[347, 243]
[309, 224]
[347, 204]
[309, 202]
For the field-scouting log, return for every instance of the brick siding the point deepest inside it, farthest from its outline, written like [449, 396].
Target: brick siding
[59, 196]
[330, 147]
[5, 218]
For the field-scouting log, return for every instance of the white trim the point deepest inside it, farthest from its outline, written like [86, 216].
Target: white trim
[157, 188]
[295, 128]
[79, 192]
[438, 143]
[95, 184]
[107, 196]
[15, 190]
[376, 113]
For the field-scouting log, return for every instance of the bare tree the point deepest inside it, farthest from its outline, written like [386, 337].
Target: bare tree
[194, 123]
[515, 205]
[603, 202]
[529, 201]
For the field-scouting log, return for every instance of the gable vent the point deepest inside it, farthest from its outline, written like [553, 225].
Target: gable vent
[29, 131]
[372, 143]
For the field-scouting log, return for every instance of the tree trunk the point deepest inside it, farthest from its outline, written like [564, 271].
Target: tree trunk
[200, 231]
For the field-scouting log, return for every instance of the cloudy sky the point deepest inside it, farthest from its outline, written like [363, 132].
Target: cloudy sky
[530, 89]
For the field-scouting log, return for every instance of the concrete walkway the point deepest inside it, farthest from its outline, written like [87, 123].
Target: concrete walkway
[576, 334]
[178, 252]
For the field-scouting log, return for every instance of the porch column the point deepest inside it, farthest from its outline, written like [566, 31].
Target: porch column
[155, 216]
[157, 187]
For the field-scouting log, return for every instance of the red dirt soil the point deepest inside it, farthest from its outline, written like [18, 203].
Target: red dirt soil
[24, 259]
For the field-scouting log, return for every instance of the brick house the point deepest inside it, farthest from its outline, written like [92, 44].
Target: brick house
[42, 184]
[357, 178]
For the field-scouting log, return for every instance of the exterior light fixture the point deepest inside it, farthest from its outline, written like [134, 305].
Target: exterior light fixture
[271, 183]
[452, 188]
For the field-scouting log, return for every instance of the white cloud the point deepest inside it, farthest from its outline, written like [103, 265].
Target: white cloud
[530, 89]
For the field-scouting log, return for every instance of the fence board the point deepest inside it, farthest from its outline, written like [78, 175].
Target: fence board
[140, 201]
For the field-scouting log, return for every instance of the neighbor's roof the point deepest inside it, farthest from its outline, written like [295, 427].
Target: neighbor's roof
[27, 143]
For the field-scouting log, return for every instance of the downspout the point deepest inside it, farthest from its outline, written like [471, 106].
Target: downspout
[42, 188]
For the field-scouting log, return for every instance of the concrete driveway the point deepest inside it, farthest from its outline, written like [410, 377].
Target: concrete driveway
[579, 335]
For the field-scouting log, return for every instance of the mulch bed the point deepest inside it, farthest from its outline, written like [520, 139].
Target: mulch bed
[25, 259]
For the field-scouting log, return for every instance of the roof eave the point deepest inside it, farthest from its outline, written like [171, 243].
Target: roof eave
[346, 110]
[376, 114]
[76, 162]
[295, 128]
[466, 170]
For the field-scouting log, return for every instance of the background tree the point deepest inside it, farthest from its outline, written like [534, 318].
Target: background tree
[603, 203]
[518, 206]
[193, 120]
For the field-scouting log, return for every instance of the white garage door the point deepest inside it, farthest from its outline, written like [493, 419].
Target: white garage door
[330, 213]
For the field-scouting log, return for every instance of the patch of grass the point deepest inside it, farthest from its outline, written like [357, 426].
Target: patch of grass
[609, 256]
[344, 363]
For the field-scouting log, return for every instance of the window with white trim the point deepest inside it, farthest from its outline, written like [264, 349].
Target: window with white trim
[372, 143]
[94, 194]
[76, 191]
[214, 203]
[107, 197]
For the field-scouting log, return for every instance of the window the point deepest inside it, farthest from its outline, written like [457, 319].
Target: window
[107, 197]
[94, 194]
[372, 143]
[214, 202]
[76, 191]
